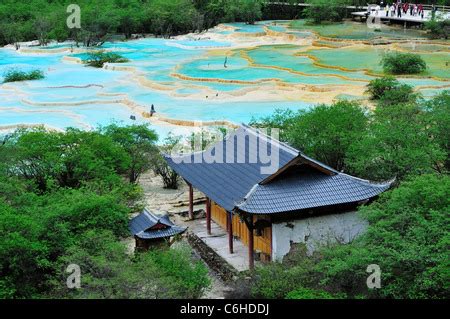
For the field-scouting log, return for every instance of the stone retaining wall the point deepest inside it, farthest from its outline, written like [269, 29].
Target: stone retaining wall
[224, 270]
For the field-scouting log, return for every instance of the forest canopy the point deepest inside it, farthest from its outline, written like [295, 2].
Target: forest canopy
[66, 197]
[45, 20]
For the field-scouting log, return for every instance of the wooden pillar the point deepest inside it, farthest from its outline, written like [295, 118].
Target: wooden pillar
[230, 231]
[251, 256]
[191, 202]
[208, 216]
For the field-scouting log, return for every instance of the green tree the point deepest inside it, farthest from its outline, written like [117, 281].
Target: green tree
[407, 237]
[324, 132]
[324, 10]
[159, 164]
[400, 142]
[403, 63]
[439, 111]
[99, 58]
[139, 143]
[403, 93]
[379, 86]
[110, 272]
[250, 10]
[437, 29]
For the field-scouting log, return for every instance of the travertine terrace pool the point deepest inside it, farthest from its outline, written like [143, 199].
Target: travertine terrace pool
[233, 72]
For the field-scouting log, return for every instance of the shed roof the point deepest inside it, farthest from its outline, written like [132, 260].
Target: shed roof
[143, 226]
[236, 184]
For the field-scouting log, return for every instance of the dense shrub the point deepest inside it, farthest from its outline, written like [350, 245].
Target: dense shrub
[438, 109]
[110, 272]
[305, 293]
[403, 63]
[139, 143]
[407, 237]
[14, 75]
[99, 58]
[403, 93]
[388, 91]
[64, 200]
[379, 86]
[438, 29]
[276, 280]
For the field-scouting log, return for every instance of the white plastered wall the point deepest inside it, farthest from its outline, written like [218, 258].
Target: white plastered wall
[315, 232]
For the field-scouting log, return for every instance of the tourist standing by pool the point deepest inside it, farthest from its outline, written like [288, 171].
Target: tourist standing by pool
[399, 11]
[152, 110]
[393, 10]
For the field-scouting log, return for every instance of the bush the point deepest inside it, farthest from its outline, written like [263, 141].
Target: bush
[439, 110]
[438, 29]
[407, 237]
[17, 75]
[108, 271]
[389, 91]
[305, 293]
[403, 63]
[99, 58]
[378, 87]
[276, 280]
[403, 93]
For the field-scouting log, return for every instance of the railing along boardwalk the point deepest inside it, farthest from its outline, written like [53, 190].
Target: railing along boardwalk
[363, 14]
[441, 8]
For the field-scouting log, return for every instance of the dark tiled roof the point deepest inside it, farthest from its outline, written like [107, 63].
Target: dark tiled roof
[228, 183]
[233, 184]
[309, 189]
[140, 226]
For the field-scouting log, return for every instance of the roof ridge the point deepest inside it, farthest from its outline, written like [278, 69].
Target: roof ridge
[248, 195]
[291, 149]
[366, 181]
[258, 132]
[152, 216]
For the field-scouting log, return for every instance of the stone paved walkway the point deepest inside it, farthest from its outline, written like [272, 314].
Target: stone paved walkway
[218, 241]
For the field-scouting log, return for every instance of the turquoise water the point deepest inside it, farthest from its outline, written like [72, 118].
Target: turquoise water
[175, 73]
[247, 28]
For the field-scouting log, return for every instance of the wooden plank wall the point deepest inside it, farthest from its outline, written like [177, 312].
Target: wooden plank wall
[261, 243]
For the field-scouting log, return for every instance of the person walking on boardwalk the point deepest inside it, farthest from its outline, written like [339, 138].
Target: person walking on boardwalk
[393, 10]
[420, 10]
[416, 10]
[399, 11]
[387, 10]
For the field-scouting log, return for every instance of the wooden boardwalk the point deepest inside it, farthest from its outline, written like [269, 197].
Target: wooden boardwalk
[362, 11]
[404, 18]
